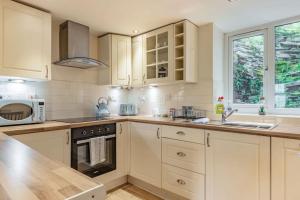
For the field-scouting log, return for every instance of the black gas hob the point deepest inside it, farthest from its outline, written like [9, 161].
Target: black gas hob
[82, 119]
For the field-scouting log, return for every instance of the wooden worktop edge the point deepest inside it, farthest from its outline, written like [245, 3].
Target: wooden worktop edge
[285, 133]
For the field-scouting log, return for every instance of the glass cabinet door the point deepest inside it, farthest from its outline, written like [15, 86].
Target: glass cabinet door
[157, 56]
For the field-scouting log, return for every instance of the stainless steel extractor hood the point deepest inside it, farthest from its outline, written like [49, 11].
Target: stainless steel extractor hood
[74, 47]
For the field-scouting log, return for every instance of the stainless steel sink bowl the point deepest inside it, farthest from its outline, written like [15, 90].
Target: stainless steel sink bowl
[249, 124]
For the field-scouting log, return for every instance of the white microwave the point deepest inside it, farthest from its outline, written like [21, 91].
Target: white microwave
[13, 112]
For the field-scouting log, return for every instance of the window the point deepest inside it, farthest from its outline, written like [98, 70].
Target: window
[250, 76]
[287, 66]
[248, 69]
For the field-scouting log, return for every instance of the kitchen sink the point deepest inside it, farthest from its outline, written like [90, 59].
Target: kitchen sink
[249, 124]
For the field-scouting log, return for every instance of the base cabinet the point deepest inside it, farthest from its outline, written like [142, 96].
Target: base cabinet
[145, 153]
[53, 144]
[183, 182]
[237, 166]
[285, 169]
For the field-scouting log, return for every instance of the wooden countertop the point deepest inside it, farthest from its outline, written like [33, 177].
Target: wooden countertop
[281, 130]
[33, 128]
[27, 175]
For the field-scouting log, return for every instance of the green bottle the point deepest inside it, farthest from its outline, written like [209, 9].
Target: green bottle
[220, 108]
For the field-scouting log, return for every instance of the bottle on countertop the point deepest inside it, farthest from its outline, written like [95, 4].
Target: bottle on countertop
[220, 108]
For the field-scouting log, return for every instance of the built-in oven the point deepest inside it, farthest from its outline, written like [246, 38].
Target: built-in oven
[94, 149]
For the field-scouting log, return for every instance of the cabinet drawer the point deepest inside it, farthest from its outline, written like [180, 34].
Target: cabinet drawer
[182, 182]
[185, 134]
[182, 154]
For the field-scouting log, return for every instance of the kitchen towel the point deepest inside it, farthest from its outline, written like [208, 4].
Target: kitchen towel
[94, 151]
[97, 150]
[102, 149]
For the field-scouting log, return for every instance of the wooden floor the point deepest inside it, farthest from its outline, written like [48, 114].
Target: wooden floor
[131, 192]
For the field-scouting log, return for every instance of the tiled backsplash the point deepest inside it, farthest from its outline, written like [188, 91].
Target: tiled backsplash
[71, 93]
[65, 99]
[161, 99]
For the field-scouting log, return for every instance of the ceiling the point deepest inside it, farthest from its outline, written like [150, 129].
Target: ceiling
[124, 16]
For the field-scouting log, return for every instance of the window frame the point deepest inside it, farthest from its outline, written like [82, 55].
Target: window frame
[269, 76]
[246, 107]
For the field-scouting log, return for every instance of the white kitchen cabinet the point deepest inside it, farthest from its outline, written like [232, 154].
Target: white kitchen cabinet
[237, 166]
[183, 182]
[137, 61]
[183, 157]
[115, 52]
[186, 155]
[185, 52]
[285, 169]
[145, 153]
[158, 55]
[25, 44]
[123, 151]
[56, 145]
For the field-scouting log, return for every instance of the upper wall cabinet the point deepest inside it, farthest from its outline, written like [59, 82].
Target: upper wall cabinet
[171, 54]
[115, 51]
[186, 52]
[25, 44]
[137, 61]
[158, 54]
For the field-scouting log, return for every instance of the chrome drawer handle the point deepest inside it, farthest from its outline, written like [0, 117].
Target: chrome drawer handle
[181, 154]
[180, 133]
[180, 181]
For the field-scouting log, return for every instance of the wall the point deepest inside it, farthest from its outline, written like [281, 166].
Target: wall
[200, 95]
[71, 92]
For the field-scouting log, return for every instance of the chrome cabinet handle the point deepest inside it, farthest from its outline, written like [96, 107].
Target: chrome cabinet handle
[180, 133]
[181, 182]
[208, 140]
[47, 71]
[128, 79]
[181, 154]
[157, 134]
[68, 137]
[121, 129]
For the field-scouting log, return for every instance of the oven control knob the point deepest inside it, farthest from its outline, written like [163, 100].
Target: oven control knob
[99, 130]
[92, 132]
[84, 132]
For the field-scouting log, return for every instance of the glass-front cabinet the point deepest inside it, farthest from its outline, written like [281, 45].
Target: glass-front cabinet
[158, 62]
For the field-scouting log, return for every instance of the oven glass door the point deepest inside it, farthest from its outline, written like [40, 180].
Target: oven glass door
[82, 158]
[16, 111]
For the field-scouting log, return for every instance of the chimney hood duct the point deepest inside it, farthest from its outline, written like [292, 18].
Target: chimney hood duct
[74, 47]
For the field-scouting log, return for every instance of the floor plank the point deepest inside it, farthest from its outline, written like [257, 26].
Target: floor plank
[131, 192]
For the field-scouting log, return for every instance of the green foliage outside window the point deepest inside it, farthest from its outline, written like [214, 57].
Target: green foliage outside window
[248, 69]
[287, 66]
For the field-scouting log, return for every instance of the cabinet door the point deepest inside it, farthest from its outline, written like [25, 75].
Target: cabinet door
[25, 45]
[137, 61]
[158, 55]
[146, 153]
[53, 144]
[285, 169]
[238, 166]
[121, 60]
